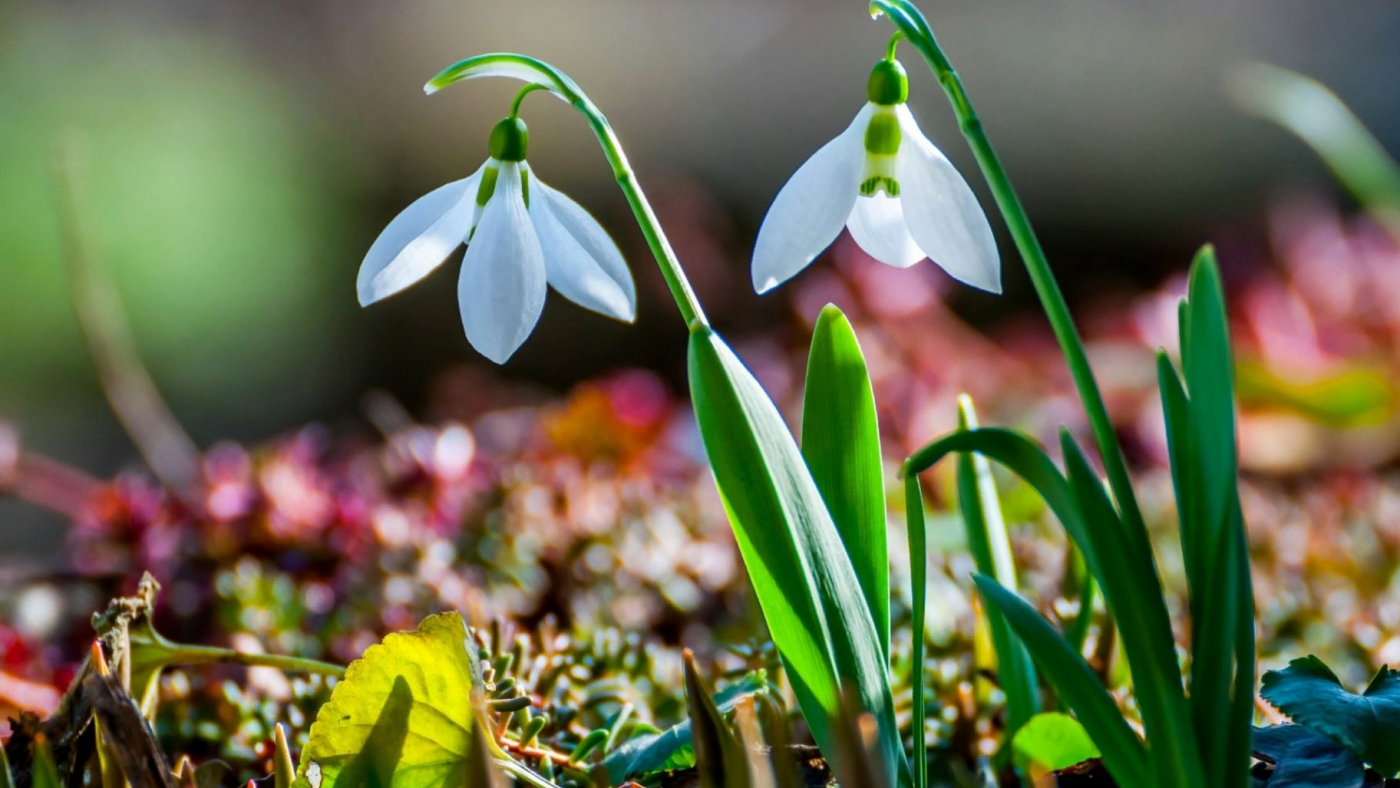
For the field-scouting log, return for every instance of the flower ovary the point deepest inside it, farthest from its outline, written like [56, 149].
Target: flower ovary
[509, 140]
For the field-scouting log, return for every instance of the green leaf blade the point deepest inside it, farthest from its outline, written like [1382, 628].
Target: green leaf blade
[805, 583]
[1304, 758]
[841, 443]
[991, 551]
[1125, 757]
[918, 574]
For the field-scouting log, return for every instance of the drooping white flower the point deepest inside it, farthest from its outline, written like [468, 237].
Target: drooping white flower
[521, 235]
[899, 195]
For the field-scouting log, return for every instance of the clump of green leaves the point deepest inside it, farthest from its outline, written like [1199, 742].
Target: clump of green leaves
[1196, 737]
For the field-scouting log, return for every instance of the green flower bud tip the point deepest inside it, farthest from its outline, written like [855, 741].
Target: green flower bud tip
[888, 84]
[509, 140]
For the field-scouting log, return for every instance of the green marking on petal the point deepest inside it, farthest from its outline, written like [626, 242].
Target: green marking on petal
[488, 184]
[882, 135]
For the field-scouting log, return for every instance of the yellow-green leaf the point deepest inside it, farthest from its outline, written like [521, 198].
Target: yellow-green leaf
[401, 717]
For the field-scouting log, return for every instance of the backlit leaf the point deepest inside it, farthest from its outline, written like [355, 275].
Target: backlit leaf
[806, 586]
[841, 443]
[400, 718]
[1051, 741]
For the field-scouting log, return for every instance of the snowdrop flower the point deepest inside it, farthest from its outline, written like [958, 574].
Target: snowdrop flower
[520, 235]
[900, 197]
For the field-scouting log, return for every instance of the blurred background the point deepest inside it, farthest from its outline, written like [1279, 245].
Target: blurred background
[326, 473]
[239, 158]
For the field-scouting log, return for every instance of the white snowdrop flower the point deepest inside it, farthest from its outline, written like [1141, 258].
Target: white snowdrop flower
[521, 235]
[899, 195]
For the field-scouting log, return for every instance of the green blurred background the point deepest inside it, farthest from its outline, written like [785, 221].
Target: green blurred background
[242, 156]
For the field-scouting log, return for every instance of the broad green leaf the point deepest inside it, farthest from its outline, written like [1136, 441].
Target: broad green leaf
[1049, 742]
[1368, 724]
[1125, 757]
[1304, 758]
[918, 574]
[643, 755]
[804, 581]
[991, 551]
[841, 443]
[403, 715]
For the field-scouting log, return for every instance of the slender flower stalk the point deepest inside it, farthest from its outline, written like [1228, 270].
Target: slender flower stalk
[543, 76]
[912, 25]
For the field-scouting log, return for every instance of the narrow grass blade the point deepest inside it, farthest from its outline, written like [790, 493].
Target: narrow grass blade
[1022, 456]
[918, 574]
[1133, 593]
[43, 772]
[7, 780]
[1124, 754]
[1201, 431]
[720, 760]
[804, 581]
[991, 551]
[841, 443]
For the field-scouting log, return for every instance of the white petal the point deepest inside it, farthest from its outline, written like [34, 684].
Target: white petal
[580, 260]
[877, 224]
[502, 288]
[810, 211]
[942, 212]
[418, 239]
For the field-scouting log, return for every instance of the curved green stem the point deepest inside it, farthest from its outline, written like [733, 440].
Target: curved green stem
[893, 45]
[182, 654]
[547, 77]
[520, 97]
[908, 20]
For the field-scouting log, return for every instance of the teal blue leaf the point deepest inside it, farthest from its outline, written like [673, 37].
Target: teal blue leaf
[643, 755]
[1367, 724]
[1304, 758]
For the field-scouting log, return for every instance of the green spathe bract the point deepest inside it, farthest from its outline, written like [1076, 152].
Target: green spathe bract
[811, 599]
